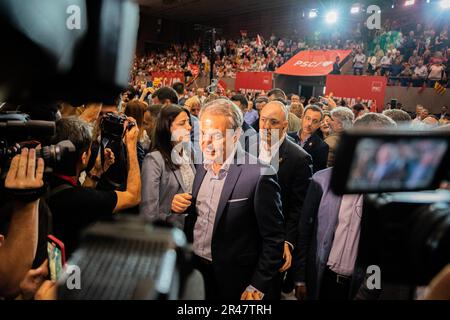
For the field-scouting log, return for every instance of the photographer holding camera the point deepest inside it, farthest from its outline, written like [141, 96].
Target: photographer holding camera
[110, 127]
[74, 207]
[19, 241]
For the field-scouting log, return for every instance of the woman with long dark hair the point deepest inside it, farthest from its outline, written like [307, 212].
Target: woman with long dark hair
[168, 169]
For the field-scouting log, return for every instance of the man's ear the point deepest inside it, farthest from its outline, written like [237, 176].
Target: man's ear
[84, 158]
[2, 239]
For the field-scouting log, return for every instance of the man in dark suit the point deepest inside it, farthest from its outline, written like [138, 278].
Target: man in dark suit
[309, 140]
[444, 113]
[294, 169]
[234, 214]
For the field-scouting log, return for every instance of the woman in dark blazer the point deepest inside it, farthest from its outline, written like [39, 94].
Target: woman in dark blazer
[168, 169]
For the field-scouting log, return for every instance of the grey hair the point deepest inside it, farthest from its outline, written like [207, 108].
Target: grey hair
[226, 108]
[344, 115]
[399, 116]
[282, 106]
[374, 120]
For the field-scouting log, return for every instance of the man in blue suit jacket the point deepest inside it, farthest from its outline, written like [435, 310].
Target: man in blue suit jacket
[234, 217]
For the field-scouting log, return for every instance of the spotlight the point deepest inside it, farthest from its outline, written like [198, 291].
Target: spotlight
[331, 17]
[444, 4]
[354, 9]
[428, 1]
[409, 3]
[313, 13]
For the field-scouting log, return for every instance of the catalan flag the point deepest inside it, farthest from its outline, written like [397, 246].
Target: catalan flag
[440, 89]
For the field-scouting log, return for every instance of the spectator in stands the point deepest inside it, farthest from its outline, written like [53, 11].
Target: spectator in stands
[399, 116]
[405, 75]
[372, 65]
[358, 110]
[420, 74]
[413, 61]
[341, 119]
[396, 69]
[358, 62]
[437, 73]
[168, 169]
[309, 140]
[386, 62]
[337, 67]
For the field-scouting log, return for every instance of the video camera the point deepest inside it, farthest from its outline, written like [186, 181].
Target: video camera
[407, 233]
[112, 126]
[17, 131]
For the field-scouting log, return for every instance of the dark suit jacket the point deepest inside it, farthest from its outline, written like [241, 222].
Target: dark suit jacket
[317, 148]
[294, 170]
[248, 236]
[250, 136]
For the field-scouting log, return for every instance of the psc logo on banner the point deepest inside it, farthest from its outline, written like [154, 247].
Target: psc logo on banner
[312, 64]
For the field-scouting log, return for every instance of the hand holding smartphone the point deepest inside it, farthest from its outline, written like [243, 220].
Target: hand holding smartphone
[56, 257]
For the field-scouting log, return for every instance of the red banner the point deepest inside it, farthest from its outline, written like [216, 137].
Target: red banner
[166, 79]
[369, 89]
[312, 62]
[253, 80]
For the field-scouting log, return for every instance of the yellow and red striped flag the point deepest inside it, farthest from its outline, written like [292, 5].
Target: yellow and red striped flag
[440, 89]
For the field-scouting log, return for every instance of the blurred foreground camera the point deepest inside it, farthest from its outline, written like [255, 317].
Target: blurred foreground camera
[407, 234]
[17, 131]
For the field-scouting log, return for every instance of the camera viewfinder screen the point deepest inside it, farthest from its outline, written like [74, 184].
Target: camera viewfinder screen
[403, 164]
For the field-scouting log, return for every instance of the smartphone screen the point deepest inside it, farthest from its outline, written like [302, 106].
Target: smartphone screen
[56, 259]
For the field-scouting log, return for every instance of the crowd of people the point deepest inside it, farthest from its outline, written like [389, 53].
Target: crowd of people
[231, 56]
[413, 58]
[245, 177]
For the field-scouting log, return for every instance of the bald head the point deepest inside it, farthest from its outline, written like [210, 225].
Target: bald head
[273, 120]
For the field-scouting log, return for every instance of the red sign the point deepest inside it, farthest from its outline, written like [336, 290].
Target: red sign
[365, 88]
[166, 79]
[253, 80]
[312, 62]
